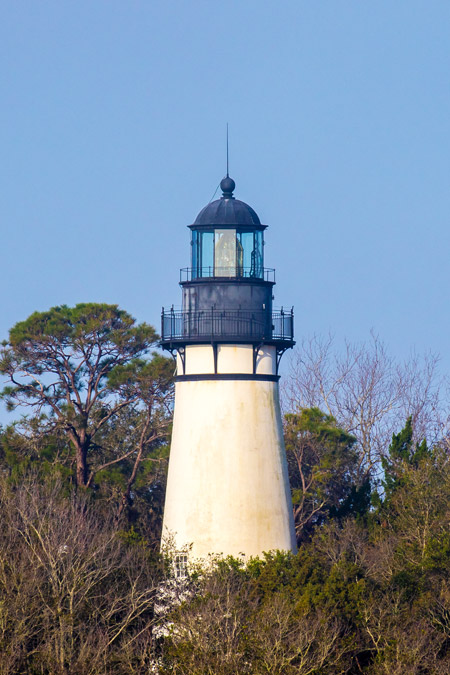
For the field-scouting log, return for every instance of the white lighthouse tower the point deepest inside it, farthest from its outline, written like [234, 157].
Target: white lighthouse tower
[227, 490]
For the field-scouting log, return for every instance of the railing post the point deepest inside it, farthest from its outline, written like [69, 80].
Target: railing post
[172, 322]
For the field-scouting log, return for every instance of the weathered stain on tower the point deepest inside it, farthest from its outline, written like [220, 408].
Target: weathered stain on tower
[228, 489]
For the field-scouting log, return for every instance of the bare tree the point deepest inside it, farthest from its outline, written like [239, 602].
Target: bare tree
[208, 630]
[367, 391]
[289, 642]
[401, 640]
[74, 594]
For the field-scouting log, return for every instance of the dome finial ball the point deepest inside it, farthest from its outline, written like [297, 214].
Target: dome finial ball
[227, 186]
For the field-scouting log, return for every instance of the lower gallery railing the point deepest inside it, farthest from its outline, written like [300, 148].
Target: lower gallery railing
[227, 324]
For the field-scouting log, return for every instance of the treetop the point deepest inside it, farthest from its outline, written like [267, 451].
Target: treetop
[85, 320]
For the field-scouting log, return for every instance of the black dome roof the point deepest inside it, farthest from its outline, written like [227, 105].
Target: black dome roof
[227, 210]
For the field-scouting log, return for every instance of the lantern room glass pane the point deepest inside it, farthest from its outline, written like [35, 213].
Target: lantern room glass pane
[258, 256]
[194, 253]
[252, 245]
[247, 241]
[226, 254]
[206, 254]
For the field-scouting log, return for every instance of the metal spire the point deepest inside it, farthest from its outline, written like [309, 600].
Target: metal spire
[227, 151]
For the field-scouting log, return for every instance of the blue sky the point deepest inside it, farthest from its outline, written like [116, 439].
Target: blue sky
[112, 138]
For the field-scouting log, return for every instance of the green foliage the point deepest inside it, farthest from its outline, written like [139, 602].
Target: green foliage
[80, 324]
[25, 453]
[79, 370]
[323, 470]
[100, 408]
[76, 346]
[403, 453]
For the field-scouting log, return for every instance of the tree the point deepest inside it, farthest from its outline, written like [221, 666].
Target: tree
[60, 364]
[232, 624]
[366, 390]
[323, 470]
[76, 596]
[403, 453]
[148, 385]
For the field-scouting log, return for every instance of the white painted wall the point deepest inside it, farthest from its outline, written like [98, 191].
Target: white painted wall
[228, 489]
[199, 359]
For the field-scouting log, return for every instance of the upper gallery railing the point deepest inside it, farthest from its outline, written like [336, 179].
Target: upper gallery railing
[235, 272]
[216, 324]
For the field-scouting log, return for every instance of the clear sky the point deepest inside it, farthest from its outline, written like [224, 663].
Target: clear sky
[112, 138]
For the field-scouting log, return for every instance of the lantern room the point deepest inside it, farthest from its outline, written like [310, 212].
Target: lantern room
[227, 239]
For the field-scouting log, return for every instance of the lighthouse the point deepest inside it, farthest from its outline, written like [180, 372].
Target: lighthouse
[227, 488]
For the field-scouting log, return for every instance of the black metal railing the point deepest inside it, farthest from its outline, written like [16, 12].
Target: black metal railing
[215, 324]
[235, 272]
[283, 325]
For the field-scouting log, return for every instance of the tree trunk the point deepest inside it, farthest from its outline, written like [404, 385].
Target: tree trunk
[81, 445]
[126, 494]
[81, 465]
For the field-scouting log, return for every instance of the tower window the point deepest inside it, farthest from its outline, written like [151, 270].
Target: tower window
[181, 565]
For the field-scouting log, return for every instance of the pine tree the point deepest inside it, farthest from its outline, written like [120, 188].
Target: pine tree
[403, 453]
